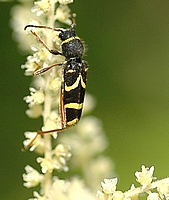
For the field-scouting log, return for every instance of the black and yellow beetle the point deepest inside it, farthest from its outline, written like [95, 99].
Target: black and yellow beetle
[74, 76]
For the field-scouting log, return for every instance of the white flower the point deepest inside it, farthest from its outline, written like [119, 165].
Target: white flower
[55, 84]
[75, 189]
[97, 169]
[109, 185]
[34, 111]
[21, 16]
[102, 196]
[89, 103]
[91, 136]
[62, 154]
[30, 66]
[39, 59]
[36, 97]
[153, 196]
[37, 196]
[52, 122]
[163, 188]
[47, 165]
[65, 1]
[63, 14]
[32, 177]
[43, 55]
[118, 195]
[145, 177]
[37, 144]
[58, 160]
[41, 7]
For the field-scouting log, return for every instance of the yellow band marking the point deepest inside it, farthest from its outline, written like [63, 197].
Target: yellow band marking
[77, 106]
[82, 82]
[75, 85]
[70, 71]
[69, 39]
[73, 122]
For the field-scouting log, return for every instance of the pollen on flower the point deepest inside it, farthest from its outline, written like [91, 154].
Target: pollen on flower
[32, 177]
[146, 176]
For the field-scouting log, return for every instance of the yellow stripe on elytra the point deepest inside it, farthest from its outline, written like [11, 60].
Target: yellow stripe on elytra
[76, 83]
[69, 39]
[77, 106]
[82, 82]
[73, 122]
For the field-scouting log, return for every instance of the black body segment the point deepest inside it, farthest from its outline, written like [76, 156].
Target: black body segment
[74, 76]
[75, 47]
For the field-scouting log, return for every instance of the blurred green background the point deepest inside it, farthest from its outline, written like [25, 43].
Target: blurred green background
[128, 54]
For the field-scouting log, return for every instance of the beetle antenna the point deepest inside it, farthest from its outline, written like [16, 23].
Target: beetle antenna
[45, 27]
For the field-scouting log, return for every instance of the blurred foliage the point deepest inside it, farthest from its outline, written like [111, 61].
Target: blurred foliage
[128, 55]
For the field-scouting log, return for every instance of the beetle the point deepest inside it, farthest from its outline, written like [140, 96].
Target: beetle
[74, 76]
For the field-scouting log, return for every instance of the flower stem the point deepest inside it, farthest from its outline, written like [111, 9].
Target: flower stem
[47, 109]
